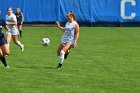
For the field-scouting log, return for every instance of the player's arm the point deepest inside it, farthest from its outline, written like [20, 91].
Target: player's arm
[62, 28]
[6, 28]
[14, 22]
[77, 34]
[22, 18]
[11, 23]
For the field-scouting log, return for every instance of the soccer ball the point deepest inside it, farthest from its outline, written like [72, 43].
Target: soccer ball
[45, 41]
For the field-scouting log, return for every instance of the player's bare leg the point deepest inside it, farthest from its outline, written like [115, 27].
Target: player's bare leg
[8, 38]
[62, 53]
[2, 58]
[15, 39]
[20, 30]
[59, 49]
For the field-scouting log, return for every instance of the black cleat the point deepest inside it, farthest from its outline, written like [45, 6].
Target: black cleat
[59, 66]
[66, 54]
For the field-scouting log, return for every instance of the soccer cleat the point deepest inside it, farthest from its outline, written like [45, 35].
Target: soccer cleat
[7, 67]
[59, 66]
[22, 47]
[66, 54]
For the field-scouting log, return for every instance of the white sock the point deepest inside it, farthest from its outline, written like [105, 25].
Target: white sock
[61, 58]
[18, 43]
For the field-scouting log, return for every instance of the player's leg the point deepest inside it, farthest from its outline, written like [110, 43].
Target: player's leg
[17, 42]
[3, 59]
[67, 53]
[58, 53]
[8, 38]
[62, 53]
[20, 30]
[59, 49]
[5, 49]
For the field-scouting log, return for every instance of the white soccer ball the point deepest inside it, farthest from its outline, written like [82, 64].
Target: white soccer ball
[45, 41]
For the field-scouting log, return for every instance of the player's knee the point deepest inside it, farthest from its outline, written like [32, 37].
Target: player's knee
[7, 52]
[1, 54]
[15, 42]
[62, 53]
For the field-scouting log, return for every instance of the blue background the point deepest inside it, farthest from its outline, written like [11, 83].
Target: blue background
[85, 10]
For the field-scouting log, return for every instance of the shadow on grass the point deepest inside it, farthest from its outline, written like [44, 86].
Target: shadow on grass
[35, 67]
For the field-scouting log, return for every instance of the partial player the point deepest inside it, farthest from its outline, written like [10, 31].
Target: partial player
[69, 38]
[20, 19]
[4, 49]
[11, 22]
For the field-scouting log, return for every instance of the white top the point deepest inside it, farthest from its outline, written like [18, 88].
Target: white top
[69, 34]
[11, 18]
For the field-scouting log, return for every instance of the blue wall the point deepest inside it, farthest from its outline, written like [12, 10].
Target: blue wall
[85, 10]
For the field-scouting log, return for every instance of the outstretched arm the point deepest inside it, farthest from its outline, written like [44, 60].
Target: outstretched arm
[12, 23]
[62, 28]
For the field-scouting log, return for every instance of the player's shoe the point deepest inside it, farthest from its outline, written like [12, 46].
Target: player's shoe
[59, 66]
[66, 54]
[7, 67]
[22, 47]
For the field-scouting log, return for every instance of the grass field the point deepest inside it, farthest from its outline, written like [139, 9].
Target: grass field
[107, 60]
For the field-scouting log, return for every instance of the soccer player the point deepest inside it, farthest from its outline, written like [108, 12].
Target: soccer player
[11, 22]
[69, 38]
[20, 19]
[4, 49]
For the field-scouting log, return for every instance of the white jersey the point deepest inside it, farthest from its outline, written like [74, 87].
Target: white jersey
[69, 34]
[11, 18]
[13, 28]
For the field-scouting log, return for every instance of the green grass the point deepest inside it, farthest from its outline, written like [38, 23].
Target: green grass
[107, 60]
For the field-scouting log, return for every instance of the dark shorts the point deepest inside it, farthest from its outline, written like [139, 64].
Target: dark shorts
[3, 41]
[19, 23]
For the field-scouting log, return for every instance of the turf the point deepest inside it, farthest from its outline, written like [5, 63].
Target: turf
[107, 60]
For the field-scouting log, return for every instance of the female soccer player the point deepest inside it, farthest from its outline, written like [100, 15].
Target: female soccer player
[4, 49]
[11, 22]
[20, 19]
[69, 38]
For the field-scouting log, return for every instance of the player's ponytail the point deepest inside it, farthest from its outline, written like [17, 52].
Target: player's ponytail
[74, 17]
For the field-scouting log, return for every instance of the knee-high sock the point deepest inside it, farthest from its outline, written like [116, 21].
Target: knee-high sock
[18, 43]
[61, 58]
[3, 61]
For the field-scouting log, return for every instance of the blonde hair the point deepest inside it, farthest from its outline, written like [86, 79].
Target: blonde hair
[18, 9]
[72, 15]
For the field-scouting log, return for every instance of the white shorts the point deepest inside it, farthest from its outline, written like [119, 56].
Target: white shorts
[13, 31]
[64, 44]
